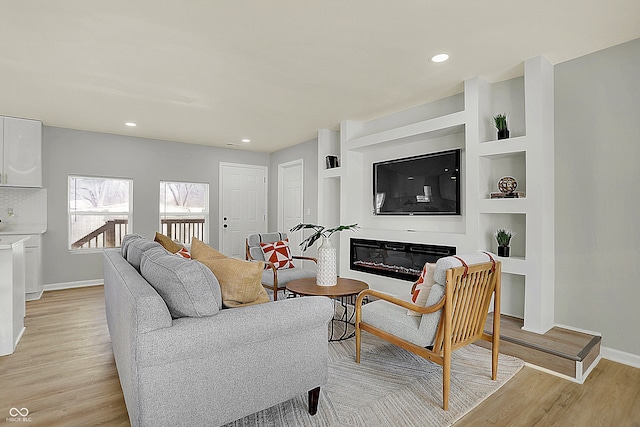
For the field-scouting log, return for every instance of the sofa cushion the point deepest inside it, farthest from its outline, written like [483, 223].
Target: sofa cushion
[135, 249]
[125, 243]
[188, 287]
[445, 263]
[278, 253]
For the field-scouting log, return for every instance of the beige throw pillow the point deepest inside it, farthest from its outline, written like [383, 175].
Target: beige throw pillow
[201, 251]
[240, 281]
[167, 243]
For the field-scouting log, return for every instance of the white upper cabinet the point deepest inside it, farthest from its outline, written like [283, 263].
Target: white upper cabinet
[20, 152]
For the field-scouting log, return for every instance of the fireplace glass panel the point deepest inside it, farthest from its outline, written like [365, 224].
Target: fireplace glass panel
[394, 259]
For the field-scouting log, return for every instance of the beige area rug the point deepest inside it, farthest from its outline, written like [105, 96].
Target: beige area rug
[391, 387]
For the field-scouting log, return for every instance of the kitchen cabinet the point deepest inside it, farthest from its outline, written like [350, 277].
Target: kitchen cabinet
[12, 292]
[33, 261]
[20, 152]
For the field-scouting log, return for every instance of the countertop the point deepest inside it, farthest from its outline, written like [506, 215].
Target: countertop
[7, 241]
[23, 229]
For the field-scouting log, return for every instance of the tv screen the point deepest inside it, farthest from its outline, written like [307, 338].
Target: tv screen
[428, 184]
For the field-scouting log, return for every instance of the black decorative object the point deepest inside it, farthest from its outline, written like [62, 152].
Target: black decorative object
[332, 162]
[504, 251]
[501, 124]
[503, 133]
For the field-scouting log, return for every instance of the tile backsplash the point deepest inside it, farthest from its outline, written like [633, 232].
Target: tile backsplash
[29, 205]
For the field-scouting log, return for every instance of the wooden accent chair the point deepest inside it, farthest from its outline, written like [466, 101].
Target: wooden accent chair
[455, 314]
[273, 278]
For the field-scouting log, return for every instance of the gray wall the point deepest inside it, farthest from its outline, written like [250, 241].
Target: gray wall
[146, 161]
[308, 151]
[597, 150]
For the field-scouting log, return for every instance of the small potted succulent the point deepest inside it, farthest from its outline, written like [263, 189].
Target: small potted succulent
[501, 124]
[503, 237]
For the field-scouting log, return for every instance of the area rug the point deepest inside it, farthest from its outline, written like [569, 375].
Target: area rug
[391, 387]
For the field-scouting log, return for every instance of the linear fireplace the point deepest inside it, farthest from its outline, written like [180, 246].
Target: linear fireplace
[394, 259]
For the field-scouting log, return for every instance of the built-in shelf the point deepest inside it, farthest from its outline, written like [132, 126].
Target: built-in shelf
[432, 128]
[503, 147]
[461, 121]
[520, 205]
[514, 265]
[331, 173]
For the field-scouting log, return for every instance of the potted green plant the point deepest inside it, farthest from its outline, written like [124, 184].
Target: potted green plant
[503, 237]
[502, 126]
[327, 263]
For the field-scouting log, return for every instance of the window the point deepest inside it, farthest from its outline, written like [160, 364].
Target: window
[184, 210]
[100, 211]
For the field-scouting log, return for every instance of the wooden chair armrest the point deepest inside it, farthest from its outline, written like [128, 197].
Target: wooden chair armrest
[305, 257]
[397, 301]
[270, 266]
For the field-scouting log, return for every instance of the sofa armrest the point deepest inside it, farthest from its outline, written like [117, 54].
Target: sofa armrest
[201, 337]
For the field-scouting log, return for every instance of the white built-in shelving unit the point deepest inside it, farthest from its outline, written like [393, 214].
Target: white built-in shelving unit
[462, 121]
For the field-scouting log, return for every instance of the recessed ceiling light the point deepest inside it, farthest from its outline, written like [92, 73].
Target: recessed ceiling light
[246, 140]
[441, 57]
[131, 124]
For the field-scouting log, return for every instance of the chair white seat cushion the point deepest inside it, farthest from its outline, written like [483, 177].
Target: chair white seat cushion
[286, 275]
[393, 319]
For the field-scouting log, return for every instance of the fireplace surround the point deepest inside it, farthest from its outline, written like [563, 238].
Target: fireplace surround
[399, 260]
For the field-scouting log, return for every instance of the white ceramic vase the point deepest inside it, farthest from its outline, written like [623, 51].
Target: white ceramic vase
[327, 267]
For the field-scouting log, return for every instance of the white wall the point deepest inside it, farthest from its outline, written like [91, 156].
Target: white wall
[597, 208]
[146, 161]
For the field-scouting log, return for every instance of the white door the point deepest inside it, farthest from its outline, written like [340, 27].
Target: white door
[290, 201]
[243, 205]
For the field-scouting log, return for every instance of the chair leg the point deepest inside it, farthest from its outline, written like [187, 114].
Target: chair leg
[314, 396]
[446, 383]
[275, 293]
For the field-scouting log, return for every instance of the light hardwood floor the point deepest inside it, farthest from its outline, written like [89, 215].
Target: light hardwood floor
[63, 372]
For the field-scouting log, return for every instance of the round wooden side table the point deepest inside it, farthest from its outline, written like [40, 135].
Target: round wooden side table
[344, 292]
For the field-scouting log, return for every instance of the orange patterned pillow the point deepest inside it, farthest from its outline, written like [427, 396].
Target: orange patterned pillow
[184, 253]
[423, 288]
[278, 253]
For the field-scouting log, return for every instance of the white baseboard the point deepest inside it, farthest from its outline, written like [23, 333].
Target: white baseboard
[33, 296]
[620, 356]
[71, 285]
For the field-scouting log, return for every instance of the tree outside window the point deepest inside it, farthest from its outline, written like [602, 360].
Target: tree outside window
[100, 211]
[184, 210]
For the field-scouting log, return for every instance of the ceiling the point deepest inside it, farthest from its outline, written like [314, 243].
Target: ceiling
[215, 72]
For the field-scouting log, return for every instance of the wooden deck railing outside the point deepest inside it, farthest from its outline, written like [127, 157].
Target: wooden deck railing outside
[110, 234]
[183, 229]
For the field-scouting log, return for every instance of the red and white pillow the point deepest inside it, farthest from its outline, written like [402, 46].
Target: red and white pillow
[278, 253]
[423, 288]
[184, 252]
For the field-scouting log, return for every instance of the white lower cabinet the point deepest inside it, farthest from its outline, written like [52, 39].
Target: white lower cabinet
[33, 262]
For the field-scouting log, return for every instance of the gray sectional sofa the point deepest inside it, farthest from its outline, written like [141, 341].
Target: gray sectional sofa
[200, 364]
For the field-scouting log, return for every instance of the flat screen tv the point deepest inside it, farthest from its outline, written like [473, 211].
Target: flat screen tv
[428, 184]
